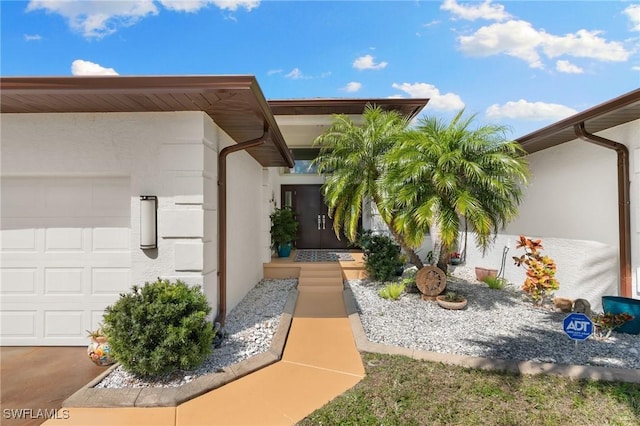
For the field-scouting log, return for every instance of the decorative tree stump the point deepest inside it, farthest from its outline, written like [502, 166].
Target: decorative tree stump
[431, 281]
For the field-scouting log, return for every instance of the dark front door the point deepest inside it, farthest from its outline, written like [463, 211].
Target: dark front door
[315, 228]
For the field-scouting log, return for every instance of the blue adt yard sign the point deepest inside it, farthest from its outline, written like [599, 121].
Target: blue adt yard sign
[578, 326]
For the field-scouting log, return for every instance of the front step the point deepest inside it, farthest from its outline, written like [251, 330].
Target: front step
[320, 276]
[321, 273]
[314, 282]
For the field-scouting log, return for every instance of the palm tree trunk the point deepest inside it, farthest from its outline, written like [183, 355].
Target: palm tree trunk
[443, 259]
[388, 220]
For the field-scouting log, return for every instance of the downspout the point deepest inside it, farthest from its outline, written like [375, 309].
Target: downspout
[222, 219]
[624, 204]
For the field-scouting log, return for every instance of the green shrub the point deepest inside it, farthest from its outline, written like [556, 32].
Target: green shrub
[495, 283]
[392, 291]
[453, 296]
[382, 256]
[283, 227]
[159, 328]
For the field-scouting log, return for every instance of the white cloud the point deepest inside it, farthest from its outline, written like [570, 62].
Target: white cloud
[437, 101]
[367, 62]
[295, 74]
[352, 87]
[513, 38]
[485, 10]
[636, 68]
[32, 37]
[568, 67]
[431, 24]
[633, 13]
[585, 44]
[532, 111]
[196, 5]
[97, 19]
[81, 67]
[519, 39]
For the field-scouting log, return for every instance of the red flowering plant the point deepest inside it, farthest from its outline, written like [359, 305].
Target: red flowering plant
[540, 281]
[454, 258]
[607, 322]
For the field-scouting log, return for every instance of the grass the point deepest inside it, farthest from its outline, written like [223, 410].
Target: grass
[402, 391]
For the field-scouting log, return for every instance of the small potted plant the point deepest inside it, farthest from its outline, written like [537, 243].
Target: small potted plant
[284, 228]
[99, 350]
[451, 300]
[454, 258]
[483, 273]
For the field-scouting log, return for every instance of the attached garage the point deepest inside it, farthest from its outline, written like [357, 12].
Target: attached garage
[65, 255]
[78, 153]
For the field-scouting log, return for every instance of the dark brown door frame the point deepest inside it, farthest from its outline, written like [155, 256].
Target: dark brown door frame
[315, 228]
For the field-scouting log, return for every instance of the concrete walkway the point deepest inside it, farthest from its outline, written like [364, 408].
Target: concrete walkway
[320, 362]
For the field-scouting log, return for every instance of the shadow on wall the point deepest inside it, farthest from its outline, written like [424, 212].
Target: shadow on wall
[586, 269]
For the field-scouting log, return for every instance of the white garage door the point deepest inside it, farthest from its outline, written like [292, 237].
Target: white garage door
[64, 256]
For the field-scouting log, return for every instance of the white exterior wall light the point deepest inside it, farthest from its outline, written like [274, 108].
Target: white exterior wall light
[148, 222]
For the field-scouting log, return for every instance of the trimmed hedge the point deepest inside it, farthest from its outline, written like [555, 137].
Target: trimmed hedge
[160, 328]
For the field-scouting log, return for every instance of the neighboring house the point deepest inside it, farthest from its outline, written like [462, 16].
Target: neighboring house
[78, 155]
[583, 201]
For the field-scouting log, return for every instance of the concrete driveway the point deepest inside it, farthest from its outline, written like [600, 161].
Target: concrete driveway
[40, 378]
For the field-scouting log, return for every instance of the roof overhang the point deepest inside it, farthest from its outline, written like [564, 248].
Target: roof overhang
[235, 103]
[408, 107]
[303, 120]
[612, 113]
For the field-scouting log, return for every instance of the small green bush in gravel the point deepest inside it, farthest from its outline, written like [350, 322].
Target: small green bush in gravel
[496, 283]
[382, 256]
[159, 328]
[391, 291]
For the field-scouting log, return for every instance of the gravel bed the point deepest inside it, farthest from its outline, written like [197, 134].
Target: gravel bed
[499, 324]
[249, 329]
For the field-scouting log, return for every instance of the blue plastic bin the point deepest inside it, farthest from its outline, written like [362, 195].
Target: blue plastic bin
[617, 305]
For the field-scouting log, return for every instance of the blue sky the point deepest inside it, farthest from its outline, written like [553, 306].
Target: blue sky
[524, 64]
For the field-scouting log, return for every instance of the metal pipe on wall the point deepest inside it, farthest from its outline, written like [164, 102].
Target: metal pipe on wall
[624, 203]
[222, 218]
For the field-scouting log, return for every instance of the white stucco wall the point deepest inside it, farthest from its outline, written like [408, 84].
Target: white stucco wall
[247, 205]
[572, 205]
[171, 155]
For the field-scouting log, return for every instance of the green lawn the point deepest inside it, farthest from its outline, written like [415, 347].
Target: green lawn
[402, 391]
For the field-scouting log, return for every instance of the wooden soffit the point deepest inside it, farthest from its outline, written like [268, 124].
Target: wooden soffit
[615, 112]
[408, 107]
[235, 103]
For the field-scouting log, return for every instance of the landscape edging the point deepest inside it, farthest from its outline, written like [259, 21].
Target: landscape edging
[90, 397]
[608, 374]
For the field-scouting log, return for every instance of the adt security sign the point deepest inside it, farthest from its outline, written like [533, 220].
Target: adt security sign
[578, 326]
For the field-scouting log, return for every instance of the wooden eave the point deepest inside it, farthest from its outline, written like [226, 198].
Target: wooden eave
[408, 107]
[235, 103]
[613, 113]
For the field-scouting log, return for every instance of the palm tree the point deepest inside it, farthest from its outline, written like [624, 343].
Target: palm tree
[352, 159]
[444, 174]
